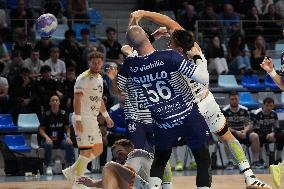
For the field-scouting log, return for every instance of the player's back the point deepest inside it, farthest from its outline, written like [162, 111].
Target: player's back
[163, 88]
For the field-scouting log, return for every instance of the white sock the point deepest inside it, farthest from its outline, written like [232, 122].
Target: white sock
[155, 182]
[245, 166]
[80, 165]
[205, 187]
[167, 185]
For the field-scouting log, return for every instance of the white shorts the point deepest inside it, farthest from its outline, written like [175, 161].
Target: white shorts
[212, 114]
[91, 134]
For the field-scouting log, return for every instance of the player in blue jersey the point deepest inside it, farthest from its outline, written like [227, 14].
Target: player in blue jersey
[159, 76]
[180, 40]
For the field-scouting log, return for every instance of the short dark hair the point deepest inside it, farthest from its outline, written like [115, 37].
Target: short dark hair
[110, 29]
[45, 69]
[124, 143]
[95, 54]
[71, 69]
[268, 100]
[233, 93]
[69, 33]
[85, 31]
[183, 39]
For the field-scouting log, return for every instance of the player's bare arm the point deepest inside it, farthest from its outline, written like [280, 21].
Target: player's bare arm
[105, 114]
[77, 111]
[267, 65]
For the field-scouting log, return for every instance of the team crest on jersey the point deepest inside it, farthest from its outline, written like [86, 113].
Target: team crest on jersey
[133, 69]
[131, 127]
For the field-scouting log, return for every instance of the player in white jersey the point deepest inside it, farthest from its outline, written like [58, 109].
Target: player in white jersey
[88, 104]
[213, 115]
[131, 168]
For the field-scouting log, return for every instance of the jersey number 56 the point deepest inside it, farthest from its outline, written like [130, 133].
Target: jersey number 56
[161, 90]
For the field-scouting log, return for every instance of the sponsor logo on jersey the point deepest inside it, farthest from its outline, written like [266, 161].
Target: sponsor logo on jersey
[152, 65]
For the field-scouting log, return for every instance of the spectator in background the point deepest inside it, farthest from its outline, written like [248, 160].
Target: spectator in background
[265, 122]
[252, 26]
[280, 8]
[215, 56]
[262, 6]
[239, 123]
[188, 19]
[241, 6]
[4, 54]
[210, 25]
[86, 45]
[22, 93]
[112, 47]
[45, 88]
[19, 16]
[77, 9]
[3, 18]
[53, 6]
[61, 19]
[67, 89]
[55, 130]
[44, 45]
[58, 68]
[70, 51]
[272, 28]
[34, 63]
[258, 53]
[12, 68]
[21, 44]
[239, 61]
[4, 86]
[229, 19]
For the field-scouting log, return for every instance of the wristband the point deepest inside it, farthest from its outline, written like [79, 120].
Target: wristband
[195, 57]
[78, 117]
[105, 114]
[272, 73]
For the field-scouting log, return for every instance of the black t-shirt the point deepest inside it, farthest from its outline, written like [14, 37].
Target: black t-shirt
[112, 52]
[264, 123]
[237, 120]
[54, 125]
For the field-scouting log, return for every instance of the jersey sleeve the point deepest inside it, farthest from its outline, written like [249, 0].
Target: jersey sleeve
[192, 71]
[122, 79]
[139, 158]
[80, 85]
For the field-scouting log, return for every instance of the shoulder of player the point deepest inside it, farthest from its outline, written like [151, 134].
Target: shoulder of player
[257, 111]
[226, 108]
[243, 107]
[136, 153]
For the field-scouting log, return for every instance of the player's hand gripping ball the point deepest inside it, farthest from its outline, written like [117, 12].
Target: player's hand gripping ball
[46, 25]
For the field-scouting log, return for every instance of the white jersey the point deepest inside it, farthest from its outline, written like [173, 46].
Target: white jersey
[140, 161]
[92, 88]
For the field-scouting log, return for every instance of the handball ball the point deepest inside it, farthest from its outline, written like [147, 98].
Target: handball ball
[46, 25]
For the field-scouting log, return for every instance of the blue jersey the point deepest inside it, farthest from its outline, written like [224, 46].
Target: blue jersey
[282, 64]
[158, 81]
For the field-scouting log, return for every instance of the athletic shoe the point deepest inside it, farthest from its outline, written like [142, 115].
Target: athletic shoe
[69, 174]
[168, 175]
[179, 166]
[49, 170]
[257, 165]
[253, 183]
[230, 166]
[276, 172]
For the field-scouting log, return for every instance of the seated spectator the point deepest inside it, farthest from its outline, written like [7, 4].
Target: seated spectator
[188, 19]
[55, 131]
[21, 44]
[61, 19]
[58, 68]
[252, 26]
[34, 63]
[265, 122]
[209, 26]
[87, 46]
[44, 45]
[77, 10]
[262, 6]
[258, 53]
[280, 8]
[112, 49]
[239, 61]
[272, 26]
[45, 88]
[22, 93]
[239, 123]
[4, 54]
[229, 19]
[4, 86]
[241, 6]
[215, 56]
[13, 67]
[67, 89]
[53, 7]
[19, 17]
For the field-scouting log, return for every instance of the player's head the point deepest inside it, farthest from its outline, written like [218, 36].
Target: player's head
[121, 149]
[268, 105]
[181, 41]
[96, 61]
[234, 99]
[136, 37]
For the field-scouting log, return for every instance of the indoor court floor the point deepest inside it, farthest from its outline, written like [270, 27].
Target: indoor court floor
[235, 181]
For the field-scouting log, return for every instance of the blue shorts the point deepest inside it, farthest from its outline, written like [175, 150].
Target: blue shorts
[141, 135]
[193, 129]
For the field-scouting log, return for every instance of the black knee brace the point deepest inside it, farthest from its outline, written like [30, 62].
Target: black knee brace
[223, 131]
[203, 161]
[160, 161]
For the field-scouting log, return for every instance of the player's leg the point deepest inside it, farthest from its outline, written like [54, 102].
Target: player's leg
[136, 134]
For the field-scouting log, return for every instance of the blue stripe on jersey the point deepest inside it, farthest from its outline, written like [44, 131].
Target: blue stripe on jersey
[159, 80]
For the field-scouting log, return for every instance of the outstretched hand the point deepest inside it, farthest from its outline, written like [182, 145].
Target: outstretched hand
[135, 17]
[267, 64]
[126, 50]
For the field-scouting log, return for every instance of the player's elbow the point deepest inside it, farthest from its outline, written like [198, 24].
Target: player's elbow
[201, 76]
